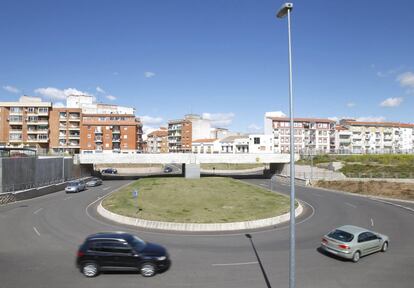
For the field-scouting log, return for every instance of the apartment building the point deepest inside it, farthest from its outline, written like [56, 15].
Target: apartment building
[179, 135]
[260, 143]
[157, 141]
[374, 137]
[103, 133]
[310, 134]
[65, 125]
[182, 132]
[25, 123]
[234, 144]
[206, 146]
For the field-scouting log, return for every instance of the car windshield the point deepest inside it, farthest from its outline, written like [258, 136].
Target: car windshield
[341, 235]
[138, 243]
[73, 184]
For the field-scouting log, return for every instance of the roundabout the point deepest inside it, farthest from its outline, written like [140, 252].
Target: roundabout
[40, 238]
[207, 204]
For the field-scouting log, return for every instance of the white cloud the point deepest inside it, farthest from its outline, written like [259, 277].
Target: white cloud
[219, 119]
[369, 119]
[58, 105]
[275, 114]
[100, 90]
[350, 104]
[392, 102]
[406, 79]
[149, 74]
[57, 94]
[110, 97]
[253, 128]
[151, 124]
[151, 121]
[334, 118]
[11, 89]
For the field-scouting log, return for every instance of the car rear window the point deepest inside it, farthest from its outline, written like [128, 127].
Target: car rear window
[341, 235]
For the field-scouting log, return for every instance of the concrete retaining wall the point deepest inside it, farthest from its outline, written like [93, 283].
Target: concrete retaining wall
[196, 227]
[25, 173]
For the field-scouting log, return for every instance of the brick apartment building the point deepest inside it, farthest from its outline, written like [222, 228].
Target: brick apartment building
[31, 123]
[179, 135]
[25, 123]
[157, 141]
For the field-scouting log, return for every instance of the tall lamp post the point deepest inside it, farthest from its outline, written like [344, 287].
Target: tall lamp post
[286, 9]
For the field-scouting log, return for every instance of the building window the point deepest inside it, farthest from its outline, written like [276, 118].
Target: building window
[125, 136]
[89, 136]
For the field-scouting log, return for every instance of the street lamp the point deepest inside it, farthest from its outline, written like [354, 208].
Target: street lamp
[286, 9]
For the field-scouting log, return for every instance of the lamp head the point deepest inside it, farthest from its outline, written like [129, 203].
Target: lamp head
[284, 10]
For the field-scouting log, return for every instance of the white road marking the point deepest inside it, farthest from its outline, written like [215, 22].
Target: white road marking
[106, 188]
[394, 204]
[38, 210]
[236, 264]
[37, 232]
[351, 205]
[372, 222]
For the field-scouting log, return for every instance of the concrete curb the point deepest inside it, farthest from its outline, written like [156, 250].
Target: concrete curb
[197, 227]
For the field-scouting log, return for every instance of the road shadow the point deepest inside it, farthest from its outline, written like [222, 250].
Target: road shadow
[249, 236]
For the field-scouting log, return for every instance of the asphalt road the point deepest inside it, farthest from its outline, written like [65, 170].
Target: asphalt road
[39, 239]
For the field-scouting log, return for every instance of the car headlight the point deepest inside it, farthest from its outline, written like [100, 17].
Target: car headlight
[162, 258]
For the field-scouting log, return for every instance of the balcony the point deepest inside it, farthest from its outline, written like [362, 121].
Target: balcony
[43, 111]
[73, 127]
[116, 131]
[62, 136]
[98, 139]
[16, 112]
[15, 121]
[117, 140]
[15, 140]
[98, 131]
[74, 136]
[74, 119]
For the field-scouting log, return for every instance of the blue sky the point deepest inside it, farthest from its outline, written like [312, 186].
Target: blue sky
[225, 58]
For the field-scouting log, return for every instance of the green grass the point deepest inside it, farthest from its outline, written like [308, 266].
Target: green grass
[377, 166]
[205, 200]
[224, 166]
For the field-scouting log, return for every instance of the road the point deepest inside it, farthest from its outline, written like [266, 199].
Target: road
[39, 239]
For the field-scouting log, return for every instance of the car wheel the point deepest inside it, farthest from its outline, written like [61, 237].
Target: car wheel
[356, 257]
[147, 269]
[384, 247]
[90, 269]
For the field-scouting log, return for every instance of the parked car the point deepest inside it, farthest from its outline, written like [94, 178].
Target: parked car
[75, 187]
[94, 182]
[352, 242]
[168, 169]
[120, 251]
[109, 171]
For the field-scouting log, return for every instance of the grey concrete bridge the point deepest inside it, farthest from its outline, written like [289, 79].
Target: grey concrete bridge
[190, 162]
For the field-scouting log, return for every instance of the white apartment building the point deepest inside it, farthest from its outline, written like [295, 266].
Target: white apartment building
[374, 137]
[200, 127]
[205, 146]
[259, 143]
[234, 144]
[310, 134]
[89, 106]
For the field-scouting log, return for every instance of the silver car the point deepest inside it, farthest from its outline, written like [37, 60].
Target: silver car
[75, 187]
[94, 182]
[352, 242]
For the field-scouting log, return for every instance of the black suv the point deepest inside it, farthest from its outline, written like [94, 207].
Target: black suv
[120, 251]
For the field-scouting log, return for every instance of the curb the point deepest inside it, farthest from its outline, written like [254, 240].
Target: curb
[197, 227]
